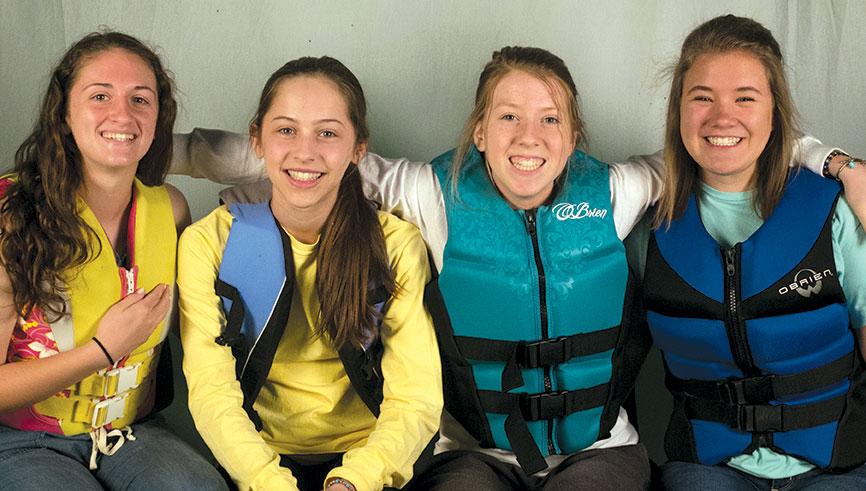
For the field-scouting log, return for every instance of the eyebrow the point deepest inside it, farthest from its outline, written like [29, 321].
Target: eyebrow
[746, 88]
[319, 121]
[517, 106]
[110, 86]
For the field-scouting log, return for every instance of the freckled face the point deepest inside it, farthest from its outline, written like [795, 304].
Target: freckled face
[525, 140]
[112, 110]
[307, 141]
[726, 117]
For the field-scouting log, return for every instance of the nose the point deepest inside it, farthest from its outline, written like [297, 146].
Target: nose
[528, 133]
[305, 148]
[723, 114]
[120, 110]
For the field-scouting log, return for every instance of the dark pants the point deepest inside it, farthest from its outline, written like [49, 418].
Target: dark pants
[311, 476]
[618, 468]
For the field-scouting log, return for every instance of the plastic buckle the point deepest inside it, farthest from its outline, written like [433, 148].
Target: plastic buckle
[760, 418]
[114, 408]
[755, 390]
[544, 353]
[544, 406]
[127, 378]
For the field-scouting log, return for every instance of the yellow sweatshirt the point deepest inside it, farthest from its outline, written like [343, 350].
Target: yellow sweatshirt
[308, 405]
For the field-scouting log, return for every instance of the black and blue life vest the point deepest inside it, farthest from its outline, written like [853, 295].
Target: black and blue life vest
[255, 283]
[756, 337]
[530, 319]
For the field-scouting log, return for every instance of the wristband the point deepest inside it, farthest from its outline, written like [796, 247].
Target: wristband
[110, 359]
[825, 171]
[339, 480]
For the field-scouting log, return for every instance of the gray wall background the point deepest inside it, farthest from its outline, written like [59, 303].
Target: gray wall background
[419, 63]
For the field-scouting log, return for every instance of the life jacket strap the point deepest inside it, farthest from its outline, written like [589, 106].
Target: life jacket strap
[522, 407]
[758, 418]
[231, 334]
[765, 388]
[536, 354]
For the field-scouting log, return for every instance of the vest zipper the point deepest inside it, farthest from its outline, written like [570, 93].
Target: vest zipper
[734, 323]
[531, 227]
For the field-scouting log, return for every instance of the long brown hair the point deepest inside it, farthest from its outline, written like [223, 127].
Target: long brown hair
[352, 253]
[43, 238]
[721, 35]
[537, 62]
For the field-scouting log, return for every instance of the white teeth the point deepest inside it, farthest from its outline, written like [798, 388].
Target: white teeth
[304, 176]
[123, 137]
[723, 141]
[525, 164]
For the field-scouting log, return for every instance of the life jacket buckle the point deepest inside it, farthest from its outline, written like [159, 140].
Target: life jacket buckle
[546, 405]
[544, 353]
[754, 390]
[108, 410]
[762, 418]
[121, 379]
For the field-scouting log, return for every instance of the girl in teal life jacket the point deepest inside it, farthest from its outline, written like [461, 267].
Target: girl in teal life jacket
[537, 350]
[755, 281]
[88, 236]
[311, 361]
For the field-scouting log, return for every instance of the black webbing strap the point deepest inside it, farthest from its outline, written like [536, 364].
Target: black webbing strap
[766, 388]
[766, 418]
[522, 354]
[231, 334]
[521, 407]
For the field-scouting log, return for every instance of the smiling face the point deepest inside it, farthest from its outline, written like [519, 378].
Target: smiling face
[307, 141]
[112, 111]
[726, 117]
[525, 138]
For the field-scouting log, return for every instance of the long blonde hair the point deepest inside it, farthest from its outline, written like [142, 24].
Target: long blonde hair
[721, 35]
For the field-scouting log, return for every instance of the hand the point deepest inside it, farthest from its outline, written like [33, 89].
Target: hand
[128, 323]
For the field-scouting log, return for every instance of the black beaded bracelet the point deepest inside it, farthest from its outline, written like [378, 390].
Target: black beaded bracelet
[825, 171]
[110, 359]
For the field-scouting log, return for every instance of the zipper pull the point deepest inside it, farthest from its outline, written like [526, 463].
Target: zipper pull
[730, 255]
[530, 221]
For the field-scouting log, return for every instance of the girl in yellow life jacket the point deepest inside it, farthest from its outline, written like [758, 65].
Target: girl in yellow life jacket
[88, 234]
[325, 371]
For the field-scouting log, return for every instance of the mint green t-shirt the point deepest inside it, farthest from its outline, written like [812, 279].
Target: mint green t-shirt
[730, 218]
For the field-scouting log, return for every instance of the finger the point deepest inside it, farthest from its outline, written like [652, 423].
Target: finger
[131, 299]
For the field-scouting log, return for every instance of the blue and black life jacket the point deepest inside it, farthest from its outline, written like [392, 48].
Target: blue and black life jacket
[255, 283]
[756, 337]
[530, 319]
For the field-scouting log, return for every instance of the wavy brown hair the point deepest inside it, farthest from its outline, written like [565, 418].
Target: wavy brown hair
[43, 238]
[537, 62]
[724, 34]
[352, 253]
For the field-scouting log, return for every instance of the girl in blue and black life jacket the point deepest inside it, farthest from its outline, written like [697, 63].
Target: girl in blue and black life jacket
[755, 281]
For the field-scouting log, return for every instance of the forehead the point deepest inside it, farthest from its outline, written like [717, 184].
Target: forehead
[311, 96]
[729, 69]
[521, 88]
[117, 67]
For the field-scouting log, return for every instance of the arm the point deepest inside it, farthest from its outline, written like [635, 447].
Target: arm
[854, 181]
[220, 156]
[179, 208]
[215, 397]
[412, 402]
[125, 325]
[849, 251]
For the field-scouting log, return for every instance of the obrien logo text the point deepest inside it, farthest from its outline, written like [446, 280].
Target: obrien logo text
[571, 211]
[806, 282]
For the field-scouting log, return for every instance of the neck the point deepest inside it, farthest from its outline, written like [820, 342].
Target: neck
[303, 225]
[108, 197]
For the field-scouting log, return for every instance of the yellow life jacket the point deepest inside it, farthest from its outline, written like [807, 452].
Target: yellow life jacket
[117, 396]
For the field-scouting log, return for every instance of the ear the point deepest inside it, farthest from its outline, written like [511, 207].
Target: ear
[360, 152]
[256, 142]
[478, 136]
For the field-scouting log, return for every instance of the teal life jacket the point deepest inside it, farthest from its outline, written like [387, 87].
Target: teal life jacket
[537, 355]
[255, 284]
